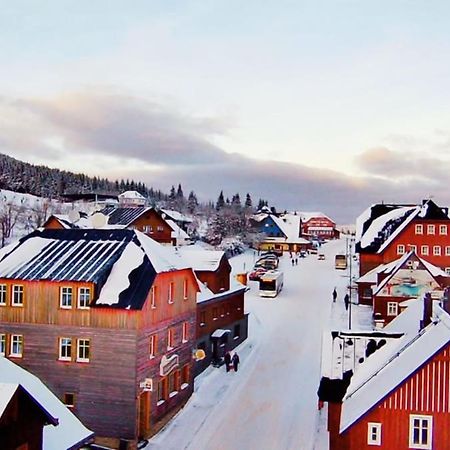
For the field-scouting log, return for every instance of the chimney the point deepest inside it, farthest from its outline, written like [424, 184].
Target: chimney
[427, 310]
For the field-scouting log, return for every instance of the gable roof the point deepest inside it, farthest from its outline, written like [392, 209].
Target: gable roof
[201, 260]
[131, 194]
[124, 216]
[70, 432]
[390, 366]
[289, 224]
[122, 263]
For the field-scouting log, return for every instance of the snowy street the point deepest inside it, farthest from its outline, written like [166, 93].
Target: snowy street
[271, 402]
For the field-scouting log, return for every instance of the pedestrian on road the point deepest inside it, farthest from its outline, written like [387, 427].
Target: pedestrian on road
[346, 301]
[296, 261]
[334, 295]
[227, 359]
[235, 360]
[292, 261]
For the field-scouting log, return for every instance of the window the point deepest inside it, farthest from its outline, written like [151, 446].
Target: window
[2, 344]
[185, 290]
[162, 390]
[430, 229]
[83, 350]
[16, 349]
[172, 383]
[447, 250]
[392, 309]
[171, 292]
[69, 399]
[148, 229]
[436, 250]
[153, 297]
[65, 349]
[443, 230]
[420, 431]
[185, 332]
[170, 339]
[17, 295]
[152, 348]
[367, 292]
[160, 228]
[400, 249]
[374, 433]
[237, 331]
[424, 250]
[419, 229]
[447, 270]
[185, 376]
[84, 297]
[214, 313]
[412, 248]
[65, 298]
[3, 294]
[202, 318]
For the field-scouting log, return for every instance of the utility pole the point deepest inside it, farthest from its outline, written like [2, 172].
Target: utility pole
[350, 283]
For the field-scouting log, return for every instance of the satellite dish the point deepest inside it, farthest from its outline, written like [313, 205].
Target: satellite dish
[99, 220]
[74, 216]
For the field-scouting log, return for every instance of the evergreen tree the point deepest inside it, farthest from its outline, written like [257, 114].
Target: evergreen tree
[248, 201]
[192, 202]
[220, 202]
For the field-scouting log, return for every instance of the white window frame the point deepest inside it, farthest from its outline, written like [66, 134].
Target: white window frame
[17, 294]
[392, 309]
[184, 332]
[148, 229]
[16, 339]
[64, 292]
[431, 229]
[159, 228]
[170, 339]
[447, 250]
[2, 344]
[412, 248]
[3, 294]
[185, 289]
[171, 293]
[419, 228]
[424, 250]
[64, 343]
[153, 297]
[421, 445]
[373, 433]
[443, 230]
[436, 250]
[82, 291]
[152, 349]
[400, 249]
[81, 346]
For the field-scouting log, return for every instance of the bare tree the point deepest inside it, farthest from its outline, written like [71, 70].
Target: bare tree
[10, 215]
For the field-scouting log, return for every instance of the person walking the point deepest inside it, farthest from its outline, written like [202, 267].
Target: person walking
[346, 301]
[334, 295]
[227, 359]
[235, 361]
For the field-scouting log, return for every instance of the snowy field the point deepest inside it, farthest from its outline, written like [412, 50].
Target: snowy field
[271, 402]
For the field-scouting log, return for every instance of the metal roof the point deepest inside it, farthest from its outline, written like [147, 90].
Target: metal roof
[123, 216]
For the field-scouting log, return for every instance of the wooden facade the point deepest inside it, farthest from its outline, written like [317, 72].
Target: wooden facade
[153, 225]
[426, 393]
[320, 227]
[116, 386]
[219, 279]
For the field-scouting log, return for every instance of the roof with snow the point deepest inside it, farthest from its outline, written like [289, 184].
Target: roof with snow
[308, 215]
[177, 232]
[122, 263]
[131, 195]
[390, 366]
[206, 294]
[124, 216]
[201, 260]
[288, 224]
[70, 432]
[378, 225]
[176, 216]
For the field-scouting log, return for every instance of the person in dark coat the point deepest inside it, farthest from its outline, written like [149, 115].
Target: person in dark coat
[346, 301]
[235, 361]
[227, 359]
[334, 295]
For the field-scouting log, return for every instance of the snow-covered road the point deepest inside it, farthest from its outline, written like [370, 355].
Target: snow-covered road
[271, 402]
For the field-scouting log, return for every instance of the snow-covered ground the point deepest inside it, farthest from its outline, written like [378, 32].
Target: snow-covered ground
[271, 402]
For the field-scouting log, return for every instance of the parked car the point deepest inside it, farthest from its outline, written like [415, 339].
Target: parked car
[313, 251]
[256, 273]
[302, 254]
[321, 256]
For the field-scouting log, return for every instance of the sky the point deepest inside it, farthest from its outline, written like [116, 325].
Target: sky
[324, 105]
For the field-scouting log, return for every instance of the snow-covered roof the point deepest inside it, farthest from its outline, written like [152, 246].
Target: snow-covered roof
[131, 195]
[124, 216]
[177, 232]
[289, 224]
[308, 215]
[122, 263]
[69, 432]
[388, 367]
[176, 215]
[201, 260]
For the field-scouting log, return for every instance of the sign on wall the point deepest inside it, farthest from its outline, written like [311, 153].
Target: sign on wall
[168, 364]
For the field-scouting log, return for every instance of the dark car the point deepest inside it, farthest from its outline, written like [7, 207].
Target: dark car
[256, 273]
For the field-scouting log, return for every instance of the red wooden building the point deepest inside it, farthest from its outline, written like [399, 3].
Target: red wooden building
[399, 398]
[386, 232]
[106, 318]
[222, 323]
[318, 225]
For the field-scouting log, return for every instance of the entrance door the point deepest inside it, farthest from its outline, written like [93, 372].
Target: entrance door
[144, 414]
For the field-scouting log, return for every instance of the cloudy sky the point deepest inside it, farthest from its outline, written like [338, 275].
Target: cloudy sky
[320, 105]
